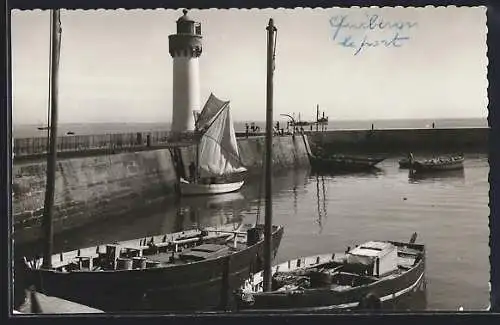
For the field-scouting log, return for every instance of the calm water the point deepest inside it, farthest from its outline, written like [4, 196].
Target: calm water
[328, 213]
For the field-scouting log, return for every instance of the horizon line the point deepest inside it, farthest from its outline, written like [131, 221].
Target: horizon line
[263, 121]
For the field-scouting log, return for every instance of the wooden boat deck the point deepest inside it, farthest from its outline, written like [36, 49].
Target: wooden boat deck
[167, 250]
[202, 252]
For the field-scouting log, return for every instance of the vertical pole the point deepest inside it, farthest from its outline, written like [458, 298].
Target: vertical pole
[271, 29]
[52, 155]
[317, 117]
[197, 165]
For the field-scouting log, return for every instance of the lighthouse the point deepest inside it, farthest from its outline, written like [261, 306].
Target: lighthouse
[185, 47]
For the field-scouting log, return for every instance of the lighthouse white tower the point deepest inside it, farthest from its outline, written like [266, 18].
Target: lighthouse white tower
[185, 47]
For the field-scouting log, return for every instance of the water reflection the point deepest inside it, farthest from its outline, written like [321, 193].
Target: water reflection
[321, 201]
[207, 211]
[431, 177]
[149, 219]
[372, 172]
[170, 214]
[295, 180]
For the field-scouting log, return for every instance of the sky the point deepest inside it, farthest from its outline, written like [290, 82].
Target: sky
[355, 63]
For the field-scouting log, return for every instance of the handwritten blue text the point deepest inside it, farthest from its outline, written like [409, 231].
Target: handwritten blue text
[373, 27]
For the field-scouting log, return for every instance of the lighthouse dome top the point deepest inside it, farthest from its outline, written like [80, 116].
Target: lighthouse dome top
[185, 25]
[185, 17]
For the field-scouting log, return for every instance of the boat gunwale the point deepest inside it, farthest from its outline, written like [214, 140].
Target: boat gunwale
[431, 163]
[198, 189]
[276, 230]
[338, 307]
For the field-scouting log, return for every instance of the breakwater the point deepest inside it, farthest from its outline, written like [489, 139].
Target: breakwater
[400, 141]
[89, 188]
[397, 141]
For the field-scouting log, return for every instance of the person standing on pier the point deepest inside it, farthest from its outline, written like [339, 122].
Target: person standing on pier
[411, 159]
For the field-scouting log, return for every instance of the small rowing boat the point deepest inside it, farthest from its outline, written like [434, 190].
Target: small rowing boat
[442, 163]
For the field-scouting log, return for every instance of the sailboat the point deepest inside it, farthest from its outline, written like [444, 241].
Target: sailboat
[218, 168]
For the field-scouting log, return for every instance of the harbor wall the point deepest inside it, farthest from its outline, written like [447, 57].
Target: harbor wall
[107, 185]
[400, 141]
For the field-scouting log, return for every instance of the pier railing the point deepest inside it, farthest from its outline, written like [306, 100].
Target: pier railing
[81, 143]
[37, 146]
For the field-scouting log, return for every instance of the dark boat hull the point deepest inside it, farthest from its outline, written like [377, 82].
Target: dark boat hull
[393, 293]
[344, 163]
[203, 285]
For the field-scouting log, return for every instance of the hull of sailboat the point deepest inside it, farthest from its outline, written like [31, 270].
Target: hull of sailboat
[195, 286]
[209, 189]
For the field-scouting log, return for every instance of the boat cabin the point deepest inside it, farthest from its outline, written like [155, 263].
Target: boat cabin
[377, 258]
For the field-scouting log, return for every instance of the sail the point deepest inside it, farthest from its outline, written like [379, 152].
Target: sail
[218, 148]
[209, 111]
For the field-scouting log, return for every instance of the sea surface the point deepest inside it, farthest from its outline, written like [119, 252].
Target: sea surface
[27, 131]
[327, 213]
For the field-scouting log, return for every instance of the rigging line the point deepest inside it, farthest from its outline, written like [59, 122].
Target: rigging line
[59, 31]
[274, 50]
[49, 99]
[214, 118]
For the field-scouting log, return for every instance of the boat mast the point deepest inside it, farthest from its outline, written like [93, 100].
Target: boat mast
[271, 33]
[52, 154]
